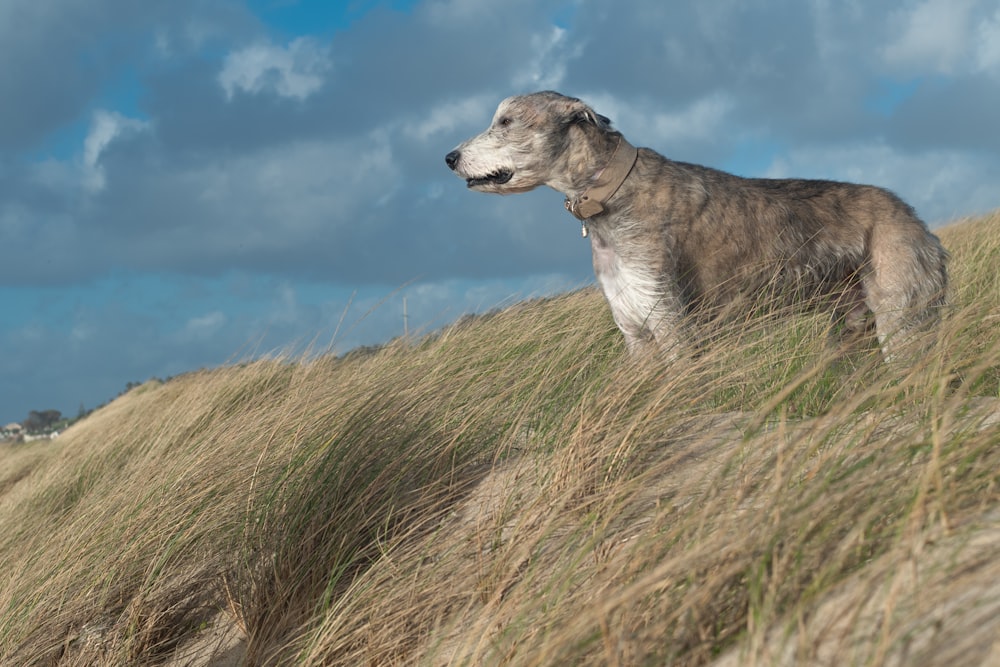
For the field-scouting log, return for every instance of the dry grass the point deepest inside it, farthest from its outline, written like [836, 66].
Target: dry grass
[515, 491]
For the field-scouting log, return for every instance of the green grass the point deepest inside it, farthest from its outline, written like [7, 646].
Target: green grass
[515, 490]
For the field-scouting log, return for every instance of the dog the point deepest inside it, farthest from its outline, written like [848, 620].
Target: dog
[671, 239]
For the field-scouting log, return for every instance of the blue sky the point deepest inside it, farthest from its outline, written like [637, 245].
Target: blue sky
[192, 182]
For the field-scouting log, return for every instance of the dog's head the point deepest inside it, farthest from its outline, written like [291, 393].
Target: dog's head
[520, 149]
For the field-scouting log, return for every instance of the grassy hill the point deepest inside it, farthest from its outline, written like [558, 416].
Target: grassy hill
[515, 491]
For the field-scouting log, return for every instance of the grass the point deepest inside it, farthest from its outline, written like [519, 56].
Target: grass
[514, 490]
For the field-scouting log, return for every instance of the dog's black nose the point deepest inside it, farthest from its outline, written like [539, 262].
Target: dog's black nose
[452, 159]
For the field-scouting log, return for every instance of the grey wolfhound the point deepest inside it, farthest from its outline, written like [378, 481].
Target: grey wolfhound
[671, 239]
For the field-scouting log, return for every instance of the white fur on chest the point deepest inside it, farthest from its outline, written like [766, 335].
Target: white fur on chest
[632, 290]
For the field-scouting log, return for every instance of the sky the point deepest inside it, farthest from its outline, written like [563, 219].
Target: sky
[188, 183]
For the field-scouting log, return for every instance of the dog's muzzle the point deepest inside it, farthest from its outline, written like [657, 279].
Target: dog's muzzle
[498, 177]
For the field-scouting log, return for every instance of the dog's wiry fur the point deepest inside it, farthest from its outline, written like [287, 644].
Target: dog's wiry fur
[679, 238]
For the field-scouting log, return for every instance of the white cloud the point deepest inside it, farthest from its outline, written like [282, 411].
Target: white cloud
[202, 327]
[456, 12]
[162, 45]
[547, 68]
[285, 306]
[287, 194]
[105, 127]
[14, 220]
[432, 305]
[296, 71]
[475, 111]
[82, 331]
[702, 119]
[936, 34]
[988, 45]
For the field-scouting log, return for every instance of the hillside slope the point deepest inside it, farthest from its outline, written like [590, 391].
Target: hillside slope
[514, 490]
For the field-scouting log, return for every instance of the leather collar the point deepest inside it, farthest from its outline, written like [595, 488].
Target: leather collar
[606, 182]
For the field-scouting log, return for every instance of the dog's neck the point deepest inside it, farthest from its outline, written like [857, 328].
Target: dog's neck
[604, 184]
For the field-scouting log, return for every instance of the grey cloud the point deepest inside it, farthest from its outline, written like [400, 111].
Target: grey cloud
[43, 71]
[190, 194]
[59, 55]
[336, 184]
[792, 66]
[346, 211]
[957, 113]
[337, 177]
[100, 347]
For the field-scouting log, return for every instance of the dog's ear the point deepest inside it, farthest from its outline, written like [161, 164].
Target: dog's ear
[597, 119]
[579, 112]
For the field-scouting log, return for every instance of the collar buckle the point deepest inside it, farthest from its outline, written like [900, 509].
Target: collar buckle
[607, 182]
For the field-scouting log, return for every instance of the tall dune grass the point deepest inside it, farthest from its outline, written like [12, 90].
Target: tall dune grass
[515, 491]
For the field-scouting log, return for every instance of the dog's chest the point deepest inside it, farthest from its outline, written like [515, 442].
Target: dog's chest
[628, 283]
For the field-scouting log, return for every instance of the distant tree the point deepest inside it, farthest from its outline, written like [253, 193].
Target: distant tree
[33, 423]
[40, 421]
[82, 412]
[129, 386]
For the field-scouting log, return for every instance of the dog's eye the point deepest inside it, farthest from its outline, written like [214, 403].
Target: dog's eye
[505, 121]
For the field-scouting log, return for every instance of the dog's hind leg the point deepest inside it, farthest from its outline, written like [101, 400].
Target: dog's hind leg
[851, 318]
[905, 287]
